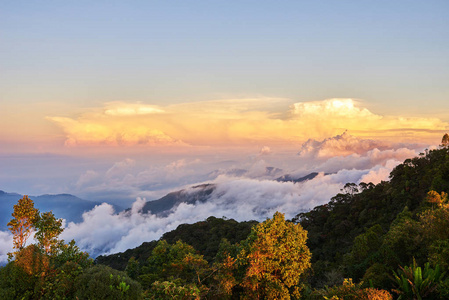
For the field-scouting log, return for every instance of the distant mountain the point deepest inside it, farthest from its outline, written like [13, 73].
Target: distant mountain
[201, 193]
[64, 206]
[163, 206]
[267, 172]
[290, 178]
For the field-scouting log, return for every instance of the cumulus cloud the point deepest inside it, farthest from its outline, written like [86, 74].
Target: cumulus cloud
[93, 132]
[369, 160]
[340, 145]
[238, 122]
[327, 117]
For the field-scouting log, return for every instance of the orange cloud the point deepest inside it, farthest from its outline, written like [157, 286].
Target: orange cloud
[130, 109]
[239, 122]
[91, 132]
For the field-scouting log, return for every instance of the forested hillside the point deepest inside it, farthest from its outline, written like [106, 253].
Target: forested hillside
[204, 236]
[383, 241]
[368, 231]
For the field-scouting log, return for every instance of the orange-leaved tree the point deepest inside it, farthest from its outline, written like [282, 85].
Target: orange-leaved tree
[22, 225]
[275, 256]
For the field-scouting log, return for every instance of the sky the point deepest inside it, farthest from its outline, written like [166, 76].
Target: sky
[62, 59]
[122, 100]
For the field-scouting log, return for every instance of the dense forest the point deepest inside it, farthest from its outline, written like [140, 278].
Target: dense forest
[383, 241]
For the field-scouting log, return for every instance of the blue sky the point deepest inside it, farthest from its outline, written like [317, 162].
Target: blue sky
[390, 53]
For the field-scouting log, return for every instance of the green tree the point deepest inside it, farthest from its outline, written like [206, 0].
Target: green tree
[48, 230]
[102, 282]
[22, 225]
[178, 263]
[445, 140]
[132, 269]
[274, 256]
[364, 251]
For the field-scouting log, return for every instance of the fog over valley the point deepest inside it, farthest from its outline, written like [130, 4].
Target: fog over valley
[249, 186]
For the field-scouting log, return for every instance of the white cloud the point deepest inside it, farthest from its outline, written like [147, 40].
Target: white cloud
[265, 150]
[340, 145]
[5, 246]
[380, 172]
[247, 192]
[346, 108]
[103, 231]
[369, 160]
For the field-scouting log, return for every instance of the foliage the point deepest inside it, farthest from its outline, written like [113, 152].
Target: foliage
[351, 291]
[411, 225]
[48, 230]
[436, 198]
[102, 282]
[133, 268]
[378, 276]
[364, 251]
[413, 283]
[403, 241]
[71, 253]
[170, 290]
[22, 225]
[178, 263]
[204, 236]
[223, 278]
[120, 260]
[275, 256]
[16, 283]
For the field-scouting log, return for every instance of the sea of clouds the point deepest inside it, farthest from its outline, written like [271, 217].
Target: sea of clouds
[245, 188]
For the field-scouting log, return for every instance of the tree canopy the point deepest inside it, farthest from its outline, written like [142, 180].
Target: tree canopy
[22, 225]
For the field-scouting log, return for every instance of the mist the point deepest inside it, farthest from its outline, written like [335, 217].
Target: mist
[246, 188]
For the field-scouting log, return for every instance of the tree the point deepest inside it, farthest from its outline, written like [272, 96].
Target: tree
[445, 140]
[48, 230]
[179, 264]
[435, 198]
[275, 256]
[25, 216]
[102, 282]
